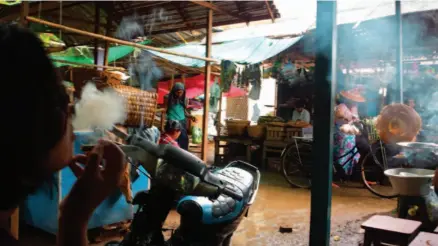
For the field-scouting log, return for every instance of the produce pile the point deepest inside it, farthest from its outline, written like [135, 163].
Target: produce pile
[370, 124]
[269, 119]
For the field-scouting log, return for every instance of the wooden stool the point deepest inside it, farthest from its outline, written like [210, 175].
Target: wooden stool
[425, 239]
[385, 229]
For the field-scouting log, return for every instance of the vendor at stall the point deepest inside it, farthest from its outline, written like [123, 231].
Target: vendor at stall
[176, 109]
[346, 112]
[300, 113]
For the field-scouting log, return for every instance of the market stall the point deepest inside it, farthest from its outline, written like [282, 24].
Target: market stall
[41, 208]
[270, 135]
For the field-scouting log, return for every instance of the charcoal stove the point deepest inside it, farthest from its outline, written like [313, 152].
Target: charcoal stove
[417, 198]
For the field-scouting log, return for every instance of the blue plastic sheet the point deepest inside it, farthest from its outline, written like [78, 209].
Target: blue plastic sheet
[249, 51]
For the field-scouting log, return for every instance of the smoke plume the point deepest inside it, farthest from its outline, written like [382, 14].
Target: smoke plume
[99, 109]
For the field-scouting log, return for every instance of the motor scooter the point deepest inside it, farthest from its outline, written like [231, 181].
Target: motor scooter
[211, 201]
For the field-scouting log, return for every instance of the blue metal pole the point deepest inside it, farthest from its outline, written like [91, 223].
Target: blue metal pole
[399, 52]
[325, 77]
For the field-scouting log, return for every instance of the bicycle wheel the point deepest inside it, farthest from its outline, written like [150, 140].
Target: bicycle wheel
[296, 164]
[373, 177]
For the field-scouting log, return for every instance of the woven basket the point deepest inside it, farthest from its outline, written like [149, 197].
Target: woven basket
[292, 132]
[237, 127]
[141, 105]
[275, 132]
[256, 132]
[111, 78]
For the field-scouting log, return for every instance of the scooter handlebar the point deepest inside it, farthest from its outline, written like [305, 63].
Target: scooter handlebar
[175, 156]
[188, 162]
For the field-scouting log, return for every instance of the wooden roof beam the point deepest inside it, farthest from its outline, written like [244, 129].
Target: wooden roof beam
[202, 26]
[142, 5]
[180, 9]
[12, 13]
[117, 41]
[218, 9]
[268, 6]
[78, 21]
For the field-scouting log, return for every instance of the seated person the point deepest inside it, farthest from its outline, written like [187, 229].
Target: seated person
[172, 131]
[300, 113]
[43, 110]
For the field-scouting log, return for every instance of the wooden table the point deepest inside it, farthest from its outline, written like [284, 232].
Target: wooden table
[272, 147]
[247, 142]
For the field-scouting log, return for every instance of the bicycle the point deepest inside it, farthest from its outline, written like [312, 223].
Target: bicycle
[372, 167]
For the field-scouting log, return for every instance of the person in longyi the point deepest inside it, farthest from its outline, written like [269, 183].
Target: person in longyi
[176, 109]
[346, 112]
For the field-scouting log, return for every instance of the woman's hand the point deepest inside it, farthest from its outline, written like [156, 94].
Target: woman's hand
[95, 183]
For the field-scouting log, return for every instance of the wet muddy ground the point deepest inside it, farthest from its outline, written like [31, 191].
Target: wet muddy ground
[279, 205]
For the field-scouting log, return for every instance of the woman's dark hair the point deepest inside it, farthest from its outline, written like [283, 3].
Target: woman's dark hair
[34, 107]
[172, 97]
[172, 125]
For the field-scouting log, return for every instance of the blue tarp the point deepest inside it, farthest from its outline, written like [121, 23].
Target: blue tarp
[252, 50]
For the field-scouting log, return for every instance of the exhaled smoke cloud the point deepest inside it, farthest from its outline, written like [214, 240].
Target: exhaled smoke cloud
[99, 109]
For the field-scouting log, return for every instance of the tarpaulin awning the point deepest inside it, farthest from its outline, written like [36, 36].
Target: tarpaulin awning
[195, 87]
[84, 54]
[251, 50]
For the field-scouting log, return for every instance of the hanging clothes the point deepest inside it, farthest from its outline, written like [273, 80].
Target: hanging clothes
[215, 93]
[228, 71]
[255, 78]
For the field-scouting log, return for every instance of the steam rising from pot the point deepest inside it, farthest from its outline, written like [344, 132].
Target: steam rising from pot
[143, 71]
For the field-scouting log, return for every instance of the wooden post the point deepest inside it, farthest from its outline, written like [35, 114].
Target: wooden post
[24, 12]
[115, 40]
[219, 115]
[276, 99]
[15, 223]
[96, 30]
[325, 77]
[183, 79]
[109, 20]
[172, 82]
[204, 150]
[398, 94]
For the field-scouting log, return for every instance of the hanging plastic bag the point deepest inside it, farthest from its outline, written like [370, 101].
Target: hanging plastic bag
[10, 2]
[196, 135]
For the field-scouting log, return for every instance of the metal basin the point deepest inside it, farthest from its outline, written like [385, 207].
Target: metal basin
[410, 181]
